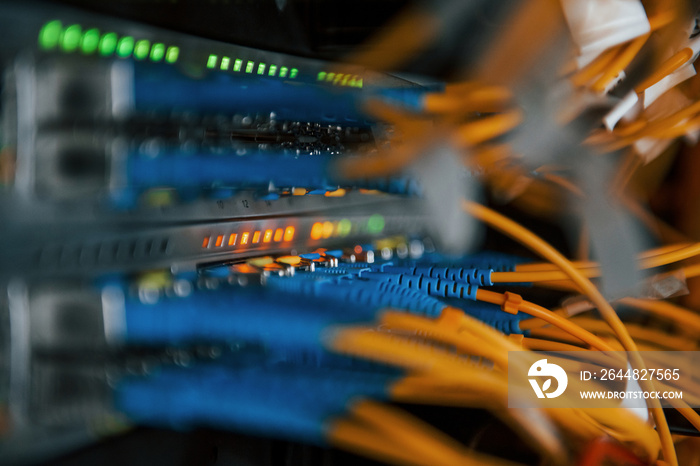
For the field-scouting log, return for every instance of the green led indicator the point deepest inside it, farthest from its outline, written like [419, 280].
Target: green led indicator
[141, 49]
[345, 80]
[273, 70]
[211, 61]
[261, 68]
[157, 52]
[321, 76]
[293, 73]
[283, 72]
[358, 83]
[50, 35]
[330, 76]
[237, 64]
[375, 224]
[225, 63]
[249, 67]
[338, 77]
[70, 39]
[89, 41]
[172, 54]
[108, 43]
[125, 46]
[344, 227]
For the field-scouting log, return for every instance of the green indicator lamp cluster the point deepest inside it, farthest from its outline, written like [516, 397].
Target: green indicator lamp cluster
[375, 224]
[251, 67]
[340, 79]
[72, 38]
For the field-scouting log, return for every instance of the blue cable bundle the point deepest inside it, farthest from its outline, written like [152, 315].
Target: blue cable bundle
[165, 89]
[427, 285]
[497, 261]
[490, 314]
[228, 314]
[369, 295]
[297, 403]
[479, 277]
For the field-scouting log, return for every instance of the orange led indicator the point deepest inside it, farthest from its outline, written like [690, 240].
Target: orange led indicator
[232, 239]
[205, 243]
[327, 229]
[244, 238]
[278, 235]
[256, 237]
[288, 234]
[358, 249]
[267, 237]
[219, 241]
[316, 230]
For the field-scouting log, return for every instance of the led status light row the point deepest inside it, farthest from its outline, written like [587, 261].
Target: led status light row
[340, 79]
[342, 228]
[73, 38]
[249, 237]
[237, 65]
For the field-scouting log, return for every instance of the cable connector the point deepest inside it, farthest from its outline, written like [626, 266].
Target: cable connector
[512, 302]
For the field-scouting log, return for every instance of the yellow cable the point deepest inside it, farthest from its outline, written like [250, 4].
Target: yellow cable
[622, 59]
[429, 329]
[684, 318]
[356, 438]
[416, 435]
[483, 129]
[535, 243]
[544, 314]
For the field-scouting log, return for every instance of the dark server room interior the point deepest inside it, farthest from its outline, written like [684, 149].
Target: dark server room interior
[349, 232]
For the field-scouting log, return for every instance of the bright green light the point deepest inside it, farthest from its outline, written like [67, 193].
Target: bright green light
[172, 54]
[293, 73]
[283, 72]
[330, 76]
[225, 63]
[141, 49]
[70, 38]
[157, 52]
[89, 41]
[375, 224]
[344, 227]
[249, 67]
[345, 80]
[273, 70]
[261, 68]
[125, 46]
[321, 76]
[211, 61]
[108, 43]
[50, 35]
[358, 83]
[237, 64]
